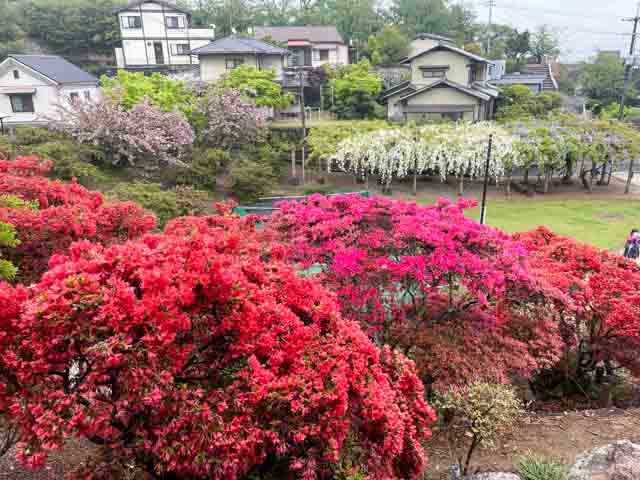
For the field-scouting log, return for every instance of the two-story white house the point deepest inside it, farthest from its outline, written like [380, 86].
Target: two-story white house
[446, 82]
[158, 33]
[32, 86]
[309, 46]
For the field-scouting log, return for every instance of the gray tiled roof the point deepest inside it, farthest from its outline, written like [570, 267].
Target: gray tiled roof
[235, 44]
[312, 33]
[447, 83]
[56, 68]
[446, 46]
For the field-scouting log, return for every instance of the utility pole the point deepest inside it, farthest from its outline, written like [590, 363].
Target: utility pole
[629, 64]
[303, 116]
[490, 4]
[627, 81]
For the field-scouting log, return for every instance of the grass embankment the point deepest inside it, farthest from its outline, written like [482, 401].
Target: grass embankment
[602, 223]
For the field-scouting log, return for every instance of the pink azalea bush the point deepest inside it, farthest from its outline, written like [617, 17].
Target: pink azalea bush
[451, 293]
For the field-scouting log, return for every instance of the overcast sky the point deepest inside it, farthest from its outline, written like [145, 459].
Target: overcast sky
[583, 26]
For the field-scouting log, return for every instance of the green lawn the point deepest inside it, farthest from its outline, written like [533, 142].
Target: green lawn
[603, 223]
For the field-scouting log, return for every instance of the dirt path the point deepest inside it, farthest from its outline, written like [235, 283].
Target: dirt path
[559, 436]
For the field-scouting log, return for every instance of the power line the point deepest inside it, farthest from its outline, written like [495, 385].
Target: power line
[562, 13]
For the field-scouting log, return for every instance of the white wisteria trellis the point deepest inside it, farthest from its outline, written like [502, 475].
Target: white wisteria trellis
[446, 150]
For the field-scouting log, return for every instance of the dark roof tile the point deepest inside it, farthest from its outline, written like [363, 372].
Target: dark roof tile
[56, 68]
[312, 33]
[235, 44]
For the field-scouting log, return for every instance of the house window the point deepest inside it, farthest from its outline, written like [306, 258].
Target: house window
[16, 74]
[22, 103]
[73, 96]
[175, 22]
[131, 22]
[87, 95]
[233, 62]
[180, 49]
[324, 55]
[434, 73]
[453, 116]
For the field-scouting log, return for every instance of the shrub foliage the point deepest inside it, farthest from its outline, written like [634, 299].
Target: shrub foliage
[60, 214]
[198, 353]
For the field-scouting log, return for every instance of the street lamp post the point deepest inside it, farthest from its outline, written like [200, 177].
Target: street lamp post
[483, 207]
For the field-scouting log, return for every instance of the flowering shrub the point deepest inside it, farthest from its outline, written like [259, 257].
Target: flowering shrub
[453, 294]
[128, 135]
[231, 120]
[198, 353]
[448, 149]
[598, 302]
[49, 215]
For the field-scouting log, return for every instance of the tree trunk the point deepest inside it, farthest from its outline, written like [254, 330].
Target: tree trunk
[415, 182]
[526, 176]
[603, 173]
[461, 186]
[627, 187]
[547, 180]
[508, 184]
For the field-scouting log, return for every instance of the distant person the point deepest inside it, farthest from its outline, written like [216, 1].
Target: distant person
[632, 246]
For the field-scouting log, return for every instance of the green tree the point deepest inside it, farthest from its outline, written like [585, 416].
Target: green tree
[260, 85]
[11, 34]
[517, 45]
[422, 16]
[355, 90]
[226, 15]
[544, 43]
[389, 45]
[130, 88]
[73, 28]
[603, 79]
[356, 20]
[463, 26]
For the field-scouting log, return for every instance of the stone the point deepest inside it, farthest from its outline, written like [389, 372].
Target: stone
[617, 461]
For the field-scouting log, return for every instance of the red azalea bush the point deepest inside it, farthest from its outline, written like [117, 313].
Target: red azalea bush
[453, 294]
[62, 213]
[199, 353]
[598, 302]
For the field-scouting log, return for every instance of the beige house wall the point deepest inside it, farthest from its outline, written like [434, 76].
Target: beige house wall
[213, 67]
[395, 109]
[458, 70]
[444, 96]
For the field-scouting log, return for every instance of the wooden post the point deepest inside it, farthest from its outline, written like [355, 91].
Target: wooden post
[415, 177]
[293, 162]
[303, 162]
[627, 188]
